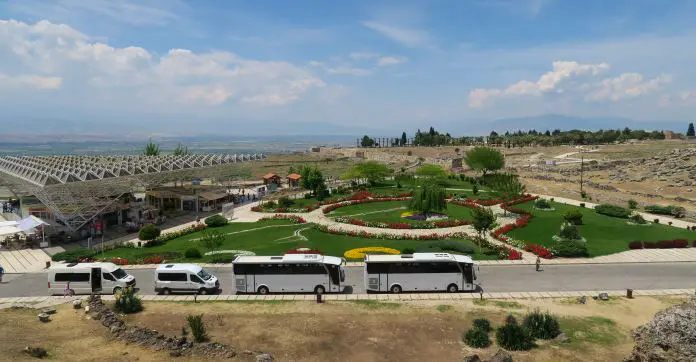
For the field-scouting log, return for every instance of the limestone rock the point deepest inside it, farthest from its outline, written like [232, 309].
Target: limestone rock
[501, 356]
[472, 358]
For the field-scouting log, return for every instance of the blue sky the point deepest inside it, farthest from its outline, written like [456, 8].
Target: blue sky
[388, 64]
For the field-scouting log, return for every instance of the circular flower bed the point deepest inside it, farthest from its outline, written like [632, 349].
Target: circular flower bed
[237, 252]
[359, 253]
[420, 217]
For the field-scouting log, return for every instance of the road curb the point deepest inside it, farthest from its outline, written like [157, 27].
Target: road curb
[42, 302]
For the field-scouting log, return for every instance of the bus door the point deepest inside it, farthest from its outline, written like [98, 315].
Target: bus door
[241, 279]
[96, 280]
[468, 273]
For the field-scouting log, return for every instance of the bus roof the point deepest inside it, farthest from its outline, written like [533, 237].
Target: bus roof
[424, 257]
[288, 258]
[179, 267]
[72, 266]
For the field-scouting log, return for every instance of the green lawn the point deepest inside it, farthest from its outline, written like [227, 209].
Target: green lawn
[384, 211]
[278, 238]
[604, 234]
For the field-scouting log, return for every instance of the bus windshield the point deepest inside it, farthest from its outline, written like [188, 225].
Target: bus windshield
[119, 273]
[204, 274]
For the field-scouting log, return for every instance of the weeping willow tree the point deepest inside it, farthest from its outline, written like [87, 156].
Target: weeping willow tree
[428, 198]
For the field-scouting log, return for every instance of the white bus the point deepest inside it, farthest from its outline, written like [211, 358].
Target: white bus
[289, 273]
[418, 272]
[86, 278]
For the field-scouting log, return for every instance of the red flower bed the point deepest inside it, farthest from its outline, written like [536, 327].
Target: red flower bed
[509, 254]
[153, 260]
[538, 250]
[661, 244]
[635, 245]
[119, 261]
[311, 251]
[296, 219]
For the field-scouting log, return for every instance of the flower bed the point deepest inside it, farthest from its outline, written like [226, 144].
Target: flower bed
[294, 218]
[359, 253]
[304, 251]
[539, 250]
[661, 244]
[344, 203]
[307, 208]
[232, 251]
[402, 225]
[386, 236]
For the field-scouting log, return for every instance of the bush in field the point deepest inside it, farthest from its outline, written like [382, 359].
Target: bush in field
[571, 249]
[149, 232]
[573, 216]
[193, 253]
[638, 219]
[514, 337]
[542, 204]
[569, 231]
[671, 210]
[197, 327]
[613, 211]
[216, 221]
[541, 325]
[477, 338]
[127, 302]
[408, 251]
[632, 204]
[285, 202]
[482, 324]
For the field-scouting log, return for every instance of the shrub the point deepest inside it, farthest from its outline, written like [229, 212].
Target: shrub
[482, 324]
[650, 245]
[582, 204]
[542, 204]
[541, 325]
[216, 221]
[632, 204]
[583, 194]
[613, 211]
[676, 211]
[408, 251]
[513, 337]
[270, 204]
[149, 232]
[656, 221]
[573, 216]
[193, 253]
[477, 338]
[197, 327]
[127, 302]
[694, 244]
[635, 245]
[669, 244]
[474, 189]
[307, 196]
[571, 249]
[669, 223]
[569, 231]
[285, 202]
[638, 219]
[73, 256]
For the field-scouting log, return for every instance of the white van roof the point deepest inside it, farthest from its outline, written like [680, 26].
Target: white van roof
[179, 267]
[423, 257]
[109, 267]
[288, 258]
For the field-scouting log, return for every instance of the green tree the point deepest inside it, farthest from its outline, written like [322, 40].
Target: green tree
[430, 170]
[181, 150]
[212, 240]
[428, 198]
[691, 132]
[151, 149]
[367, 141]
[506, 187]
[483, 220]
[372, 171]
[403, 139]
[484, 159]
[312, 178]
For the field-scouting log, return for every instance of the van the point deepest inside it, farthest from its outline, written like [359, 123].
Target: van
[88, 278]
[188, 278]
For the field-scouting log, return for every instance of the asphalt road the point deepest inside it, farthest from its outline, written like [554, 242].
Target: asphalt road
[518, 278]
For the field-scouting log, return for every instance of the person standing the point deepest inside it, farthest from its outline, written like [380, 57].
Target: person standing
[2, 272]
[538, 264]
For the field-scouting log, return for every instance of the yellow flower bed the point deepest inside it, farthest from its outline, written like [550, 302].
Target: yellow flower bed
[359, 253]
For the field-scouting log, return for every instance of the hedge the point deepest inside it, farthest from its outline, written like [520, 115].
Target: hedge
[676, 211]
[216, 221]
[613, 211]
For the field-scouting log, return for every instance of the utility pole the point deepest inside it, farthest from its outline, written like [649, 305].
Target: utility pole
[582, 169]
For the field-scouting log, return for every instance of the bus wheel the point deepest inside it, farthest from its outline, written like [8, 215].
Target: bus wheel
[165, 291]
[396, 289]
[452, 288]
[319, 290]
[263, 290]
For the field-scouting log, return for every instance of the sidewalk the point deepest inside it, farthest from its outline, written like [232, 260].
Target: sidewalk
[43, 302]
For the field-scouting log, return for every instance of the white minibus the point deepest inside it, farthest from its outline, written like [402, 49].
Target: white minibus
[298, 273]
[88, 278]
[187, 278]
[419, 272]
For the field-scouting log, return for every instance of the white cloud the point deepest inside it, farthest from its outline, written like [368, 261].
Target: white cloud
[388, 60]
[626, 85]
[411, 38]
[548, 82]
[51, 54]
[363, 56]
[30, 81]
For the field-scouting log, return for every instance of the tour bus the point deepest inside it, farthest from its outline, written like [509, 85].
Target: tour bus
[88, 278]
[189, 278]
[289, 273]
[419, 272]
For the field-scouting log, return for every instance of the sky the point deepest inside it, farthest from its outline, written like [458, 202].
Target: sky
[207, 66]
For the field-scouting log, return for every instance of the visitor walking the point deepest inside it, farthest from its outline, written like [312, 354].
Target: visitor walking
[538, 264]
[2, 271]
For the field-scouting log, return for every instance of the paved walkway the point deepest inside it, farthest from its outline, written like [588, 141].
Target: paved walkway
[23, 261]
[43, 302]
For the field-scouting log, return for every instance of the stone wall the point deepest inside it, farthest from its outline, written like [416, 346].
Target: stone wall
[152, 339]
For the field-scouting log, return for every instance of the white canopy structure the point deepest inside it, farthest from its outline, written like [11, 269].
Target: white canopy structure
[78, 188]
[9, 230]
